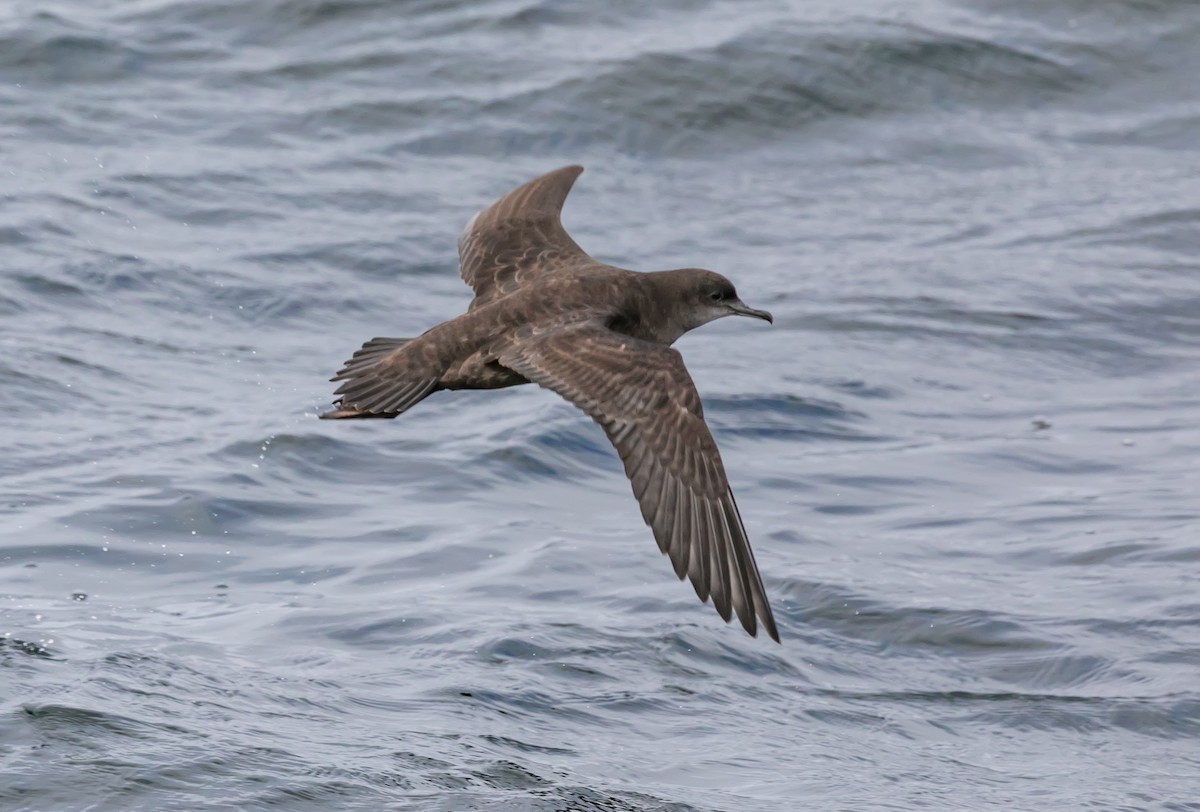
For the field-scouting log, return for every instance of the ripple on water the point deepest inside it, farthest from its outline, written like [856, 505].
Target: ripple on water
[786, 417]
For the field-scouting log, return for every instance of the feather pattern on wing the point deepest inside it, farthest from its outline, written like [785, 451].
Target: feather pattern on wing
[643, 397]
[519, 238]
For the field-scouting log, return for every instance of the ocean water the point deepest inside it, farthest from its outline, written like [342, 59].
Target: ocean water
[967, 453]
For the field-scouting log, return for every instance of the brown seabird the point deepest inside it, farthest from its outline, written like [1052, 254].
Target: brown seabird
[545, 312]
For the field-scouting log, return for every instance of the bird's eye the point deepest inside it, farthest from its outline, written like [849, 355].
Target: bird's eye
[716, 295]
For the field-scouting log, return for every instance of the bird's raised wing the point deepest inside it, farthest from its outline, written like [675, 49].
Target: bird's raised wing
[519, 238]
[642, 396]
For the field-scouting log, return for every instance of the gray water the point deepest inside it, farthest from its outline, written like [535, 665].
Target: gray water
[967, 452]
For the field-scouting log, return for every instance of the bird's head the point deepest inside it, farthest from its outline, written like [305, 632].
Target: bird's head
[704, 296]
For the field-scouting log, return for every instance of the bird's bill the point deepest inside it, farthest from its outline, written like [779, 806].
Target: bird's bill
[740, 309]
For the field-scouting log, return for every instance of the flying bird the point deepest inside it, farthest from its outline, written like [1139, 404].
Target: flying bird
[545, 312]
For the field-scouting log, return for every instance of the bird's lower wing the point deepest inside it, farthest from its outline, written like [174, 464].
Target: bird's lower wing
[643, 397]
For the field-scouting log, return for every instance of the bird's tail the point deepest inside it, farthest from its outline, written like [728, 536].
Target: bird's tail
[368, 355]
[372, 389]
[340, 412]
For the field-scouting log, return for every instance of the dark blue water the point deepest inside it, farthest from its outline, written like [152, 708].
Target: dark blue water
[968, 452]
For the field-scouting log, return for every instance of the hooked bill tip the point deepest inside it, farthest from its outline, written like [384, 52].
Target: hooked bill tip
[742, 310]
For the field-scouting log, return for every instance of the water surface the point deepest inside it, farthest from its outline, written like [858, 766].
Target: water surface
[966, 453]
